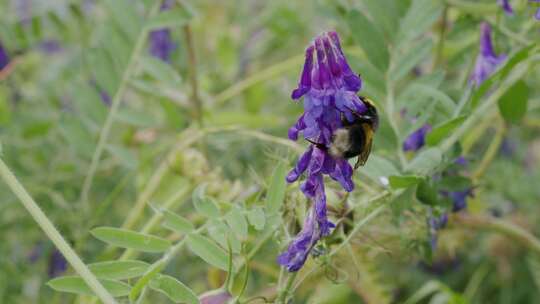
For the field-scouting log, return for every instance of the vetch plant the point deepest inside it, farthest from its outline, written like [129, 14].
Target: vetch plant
[329, 88]
[146, 160]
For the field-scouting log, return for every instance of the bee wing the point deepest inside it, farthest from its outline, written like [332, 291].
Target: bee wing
[366, 150]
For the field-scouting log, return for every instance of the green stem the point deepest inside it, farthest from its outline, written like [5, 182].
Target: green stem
[482, 109]
[491, 152]
[137, 210]
[157, 217]
[515, 232]
[192, 65]
[115, 105]
[285, 293]
[442, 34]
[53, 234]
[390, 110]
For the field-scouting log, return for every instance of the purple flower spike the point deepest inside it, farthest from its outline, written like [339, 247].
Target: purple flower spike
[295, 256]
[537, 14]
[435, 224]
[4, 58]
[416, 139]
[329, 88]
[505, 4]
[305, 80]
[487, 61]
[161, 44]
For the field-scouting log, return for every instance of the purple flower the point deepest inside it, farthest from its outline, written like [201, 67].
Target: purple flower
[4, 58]
[298, 250]
[416, 139]
[459, 199]
[487, 61]
[462, 161]
[161, 45]
[329, 88]
[57, 264]
[505, 4]
[105, 97]
[435, 224]
[50, 47]
[537, 14]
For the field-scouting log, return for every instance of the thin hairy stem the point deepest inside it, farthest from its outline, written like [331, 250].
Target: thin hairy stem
[491, 152]
[115, 105]
[501, 226]
[285, 293]
[483, 108]
[52, 233]
[193, 76]
[442, 35]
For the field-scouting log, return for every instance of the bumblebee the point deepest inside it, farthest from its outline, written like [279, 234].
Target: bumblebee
[355, 138]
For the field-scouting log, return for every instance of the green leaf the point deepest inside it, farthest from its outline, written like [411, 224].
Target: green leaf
[256, 218]
[369, 38]
[152, 272]
[411, 58]
[203, 204]
[207, 250]
[172, 18]
[75, 284]
[276, 191]
[513, 104]
[405, 181]
[443, 130]
[420, 16]
[426, 193]
[174, 289]
[123, 155]
[385, 14]
[455, 183]
[160, 70]
[119, 270]
[425, 161]
[237, 221]
[378, 167]
[130, 239]
[177, 223]
[223, 235]
[429, 91]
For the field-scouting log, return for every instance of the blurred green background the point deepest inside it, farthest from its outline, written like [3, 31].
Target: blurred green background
[216, 113]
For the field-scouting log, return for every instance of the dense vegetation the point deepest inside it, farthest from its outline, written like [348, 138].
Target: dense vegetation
[154, 137]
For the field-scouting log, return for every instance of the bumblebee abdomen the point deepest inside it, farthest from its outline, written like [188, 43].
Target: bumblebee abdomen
[357, 141]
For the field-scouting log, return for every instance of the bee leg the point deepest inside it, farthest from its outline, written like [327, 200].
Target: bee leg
[358, 163]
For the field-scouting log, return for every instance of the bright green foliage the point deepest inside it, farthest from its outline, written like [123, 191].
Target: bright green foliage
[167, 177]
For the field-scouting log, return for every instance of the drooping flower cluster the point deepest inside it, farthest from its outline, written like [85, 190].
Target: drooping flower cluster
[487, 61]
[537, 14]
[4, 58]
[505, 4]
[161, 44]
[416, 139]
[329, 88]
[414, 142]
